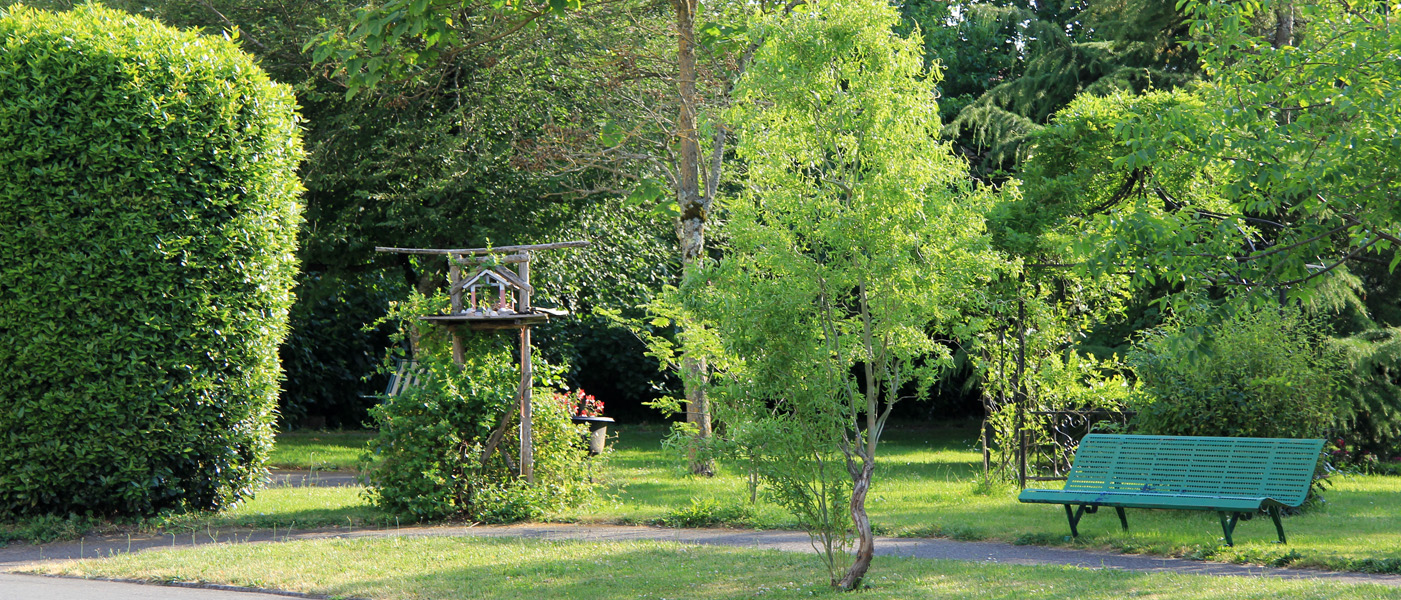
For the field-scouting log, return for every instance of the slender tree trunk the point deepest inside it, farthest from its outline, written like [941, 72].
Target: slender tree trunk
[1284, 25]
[866, 544]
[861, 475]
[694, 208]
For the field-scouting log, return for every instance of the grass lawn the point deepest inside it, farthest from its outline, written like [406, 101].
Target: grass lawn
[928, 483]
[282, 508]
[320, 450]
[433, 568]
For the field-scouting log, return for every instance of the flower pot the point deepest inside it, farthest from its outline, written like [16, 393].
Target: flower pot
[598, 432]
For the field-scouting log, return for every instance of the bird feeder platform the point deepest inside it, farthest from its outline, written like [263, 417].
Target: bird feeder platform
[512, 321]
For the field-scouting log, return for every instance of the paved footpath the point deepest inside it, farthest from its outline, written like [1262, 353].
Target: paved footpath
[14, 586]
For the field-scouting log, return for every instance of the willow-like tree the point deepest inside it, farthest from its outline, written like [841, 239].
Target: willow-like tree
[854, 246]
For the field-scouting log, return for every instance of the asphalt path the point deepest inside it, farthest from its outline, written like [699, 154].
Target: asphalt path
[18, 586]
[298, 478]
[31, 587]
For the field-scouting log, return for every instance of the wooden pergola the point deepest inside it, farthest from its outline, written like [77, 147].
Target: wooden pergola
[477, 316]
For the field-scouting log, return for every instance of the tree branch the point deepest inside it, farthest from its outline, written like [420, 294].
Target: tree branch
[231, 24]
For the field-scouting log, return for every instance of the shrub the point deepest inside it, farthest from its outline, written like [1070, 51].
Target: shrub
[147, 183]
[426, 463]
[1258, 373]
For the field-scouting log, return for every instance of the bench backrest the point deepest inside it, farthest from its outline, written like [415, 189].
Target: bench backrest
[406, 375]
[1281, 469]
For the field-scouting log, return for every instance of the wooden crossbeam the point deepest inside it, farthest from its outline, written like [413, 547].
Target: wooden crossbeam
[478, 251]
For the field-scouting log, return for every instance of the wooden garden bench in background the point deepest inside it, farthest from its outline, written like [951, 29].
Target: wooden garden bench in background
[1233, 476]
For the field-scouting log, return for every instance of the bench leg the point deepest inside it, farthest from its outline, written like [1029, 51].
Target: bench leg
[1074, 517]
[1123, 520]
[1279, 527]
[1228, 525]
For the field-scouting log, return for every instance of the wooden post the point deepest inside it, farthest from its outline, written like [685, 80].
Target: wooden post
[454, 278]
[527, 378]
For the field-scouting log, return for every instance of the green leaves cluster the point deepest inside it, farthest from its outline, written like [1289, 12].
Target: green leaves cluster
[1261, 373]
[1271, 182]
[398, 39]
[1278, 170]
[427, 461]
[148, 180]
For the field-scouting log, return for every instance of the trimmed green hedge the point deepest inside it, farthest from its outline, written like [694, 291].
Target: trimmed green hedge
[148, 211]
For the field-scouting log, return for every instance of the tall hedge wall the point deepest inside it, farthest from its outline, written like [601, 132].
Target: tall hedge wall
[148, 210]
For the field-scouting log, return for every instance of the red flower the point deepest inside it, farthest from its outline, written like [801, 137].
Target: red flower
[581, 404]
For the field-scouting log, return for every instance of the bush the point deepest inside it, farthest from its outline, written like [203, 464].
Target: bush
[147, 178]
[1260, 373]
[426, 462]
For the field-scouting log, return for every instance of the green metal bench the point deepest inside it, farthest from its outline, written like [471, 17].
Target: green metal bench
[1236, 477]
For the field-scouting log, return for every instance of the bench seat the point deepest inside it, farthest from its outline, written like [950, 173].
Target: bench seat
[1235, 477]
[1147, 500]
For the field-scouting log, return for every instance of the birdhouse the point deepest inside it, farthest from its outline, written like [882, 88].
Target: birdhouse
[491, 292]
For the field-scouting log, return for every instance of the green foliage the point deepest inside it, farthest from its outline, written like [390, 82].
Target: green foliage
[1014, 64]
[329, 351]
[708, 512]
[633, 255]
[42, 529]
[148, 180]
[1057, 380]
[397, 39]
[1261, 373]
[1371, 393]
[1078, 172]
[1269, 180]
[426, 463]
[854, 242]
[1294, 141]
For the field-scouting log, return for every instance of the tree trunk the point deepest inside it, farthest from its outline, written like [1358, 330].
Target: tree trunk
[866, 545]
[694, 208]
[1284, 25]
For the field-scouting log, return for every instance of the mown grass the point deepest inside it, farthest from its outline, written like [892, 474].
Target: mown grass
[434, 568]
[283, 508]
[929, 483]
[319, 450]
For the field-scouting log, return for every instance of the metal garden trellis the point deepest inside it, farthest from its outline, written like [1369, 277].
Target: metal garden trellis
[1063, 428]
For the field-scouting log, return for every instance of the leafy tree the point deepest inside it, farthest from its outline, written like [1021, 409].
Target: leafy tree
[1273, 182]
[1297, 171]
[655, 128]
[1010, 66]
[1014, 64]
[854, 244]
[450, 157]
[327, 354]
